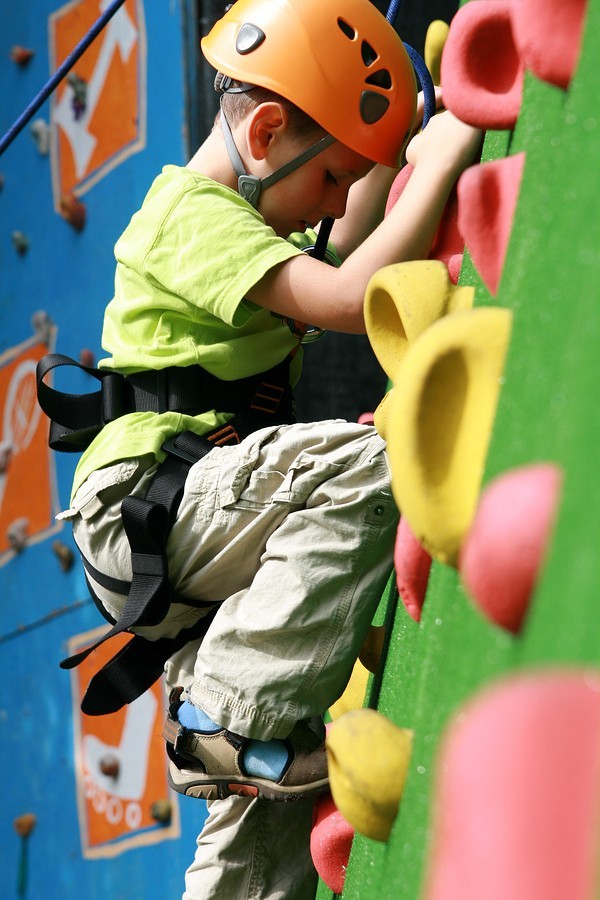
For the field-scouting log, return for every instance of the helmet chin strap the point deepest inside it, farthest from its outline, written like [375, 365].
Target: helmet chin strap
[250, 187]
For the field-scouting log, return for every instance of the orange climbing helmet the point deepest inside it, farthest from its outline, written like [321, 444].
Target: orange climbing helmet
[340, 63]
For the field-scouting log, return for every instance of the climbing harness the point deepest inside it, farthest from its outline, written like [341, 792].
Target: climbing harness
[260, 400]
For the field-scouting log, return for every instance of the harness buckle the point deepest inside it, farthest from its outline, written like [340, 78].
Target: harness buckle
[267, 397]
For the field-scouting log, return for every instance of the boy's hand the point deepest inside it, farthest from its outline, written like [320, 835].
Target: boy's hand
[439, 103]
[446, 143]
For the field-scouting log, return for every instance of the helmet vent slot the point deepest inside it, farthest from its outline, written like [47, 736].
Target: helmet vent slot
[368, 54]
[346, 29]
[381, 78]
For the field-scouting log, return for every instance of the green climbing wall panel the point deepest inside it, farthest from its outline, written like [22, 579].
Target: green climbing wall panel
[548, 411]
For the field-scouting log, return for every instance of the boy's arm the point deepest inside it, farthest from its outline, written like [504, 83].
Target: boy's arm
[365, 210]
[368, 197]
[310, 291]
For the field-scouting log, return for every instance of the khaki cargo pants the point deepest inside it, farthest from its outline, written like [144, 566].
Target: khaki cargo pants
[293, 531]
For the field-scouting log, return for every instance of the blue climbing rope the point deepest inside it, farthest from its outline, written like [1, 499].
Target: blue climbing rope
[426, 82]
[421, 70]
[393, 11]
[60, 73]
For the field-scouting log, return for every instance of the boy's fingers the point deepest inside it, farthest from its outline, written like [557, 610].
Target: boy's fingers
[421, 104]
[445, 136]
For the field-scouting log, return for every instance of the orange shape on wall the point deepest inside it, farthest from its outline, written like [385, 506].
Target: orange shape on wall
[100, 107]
[120, 763]
[27, 482]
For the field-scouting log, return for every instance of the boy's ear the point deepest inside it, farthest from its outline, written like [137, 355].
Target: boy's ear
[267, 122]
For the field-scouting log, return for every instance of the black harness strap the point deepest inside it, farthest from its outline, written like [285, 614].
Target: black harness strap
[147, 522]
[135, 668]
[118, 586]
[75, 419]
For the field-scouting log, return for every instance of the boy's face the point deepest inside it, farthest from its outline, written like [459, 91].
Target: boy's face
[319, 188]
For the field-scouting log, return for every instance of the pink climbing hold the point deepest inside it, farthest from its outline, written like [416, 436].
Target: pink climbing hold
[448, 244]
[412, 564]
[330, 843]
[548, 36]
[506, 545]
[400, 182]
[482, 74]
[487, 196]
[518, 791]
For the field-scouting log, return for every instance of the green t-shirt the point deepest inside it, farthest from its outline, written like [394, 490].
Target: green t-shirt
[184, 266]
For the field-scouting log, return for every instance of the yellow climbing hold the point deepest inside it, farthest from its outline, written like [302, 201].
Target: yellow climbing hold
[439, 422]
[380, 416]
[369, 660]
[435, 39]
[368, 760]
[401, 301]
[354, 694]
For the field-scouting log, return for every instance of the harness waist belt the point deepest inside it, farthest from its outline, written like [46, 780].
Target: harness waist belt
[77, 418]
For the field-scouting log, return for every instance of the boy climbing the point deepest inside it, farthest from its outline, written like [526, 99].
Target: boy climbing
[276, 543]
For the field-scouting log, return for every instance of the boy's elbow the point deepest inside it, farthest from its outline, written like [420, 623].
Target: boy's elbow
[352, 319]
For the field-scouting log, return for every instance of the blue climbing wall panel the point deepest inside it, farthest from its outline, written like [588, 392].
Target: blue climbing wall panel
[97, 789]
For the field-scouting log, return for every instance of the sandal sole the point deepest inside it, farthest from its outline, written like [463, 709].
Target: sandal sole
[192, 783]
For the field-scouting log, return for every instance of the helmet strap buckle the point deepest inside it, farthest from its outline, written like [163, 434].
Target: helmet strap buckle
[250, 187]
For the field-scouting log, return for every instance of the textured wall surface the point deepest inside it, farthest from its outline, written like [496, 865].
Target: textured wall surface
[547, 413]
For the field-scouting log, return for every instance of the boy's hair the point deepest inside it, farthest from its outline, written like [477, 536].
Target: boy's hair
[238, 104]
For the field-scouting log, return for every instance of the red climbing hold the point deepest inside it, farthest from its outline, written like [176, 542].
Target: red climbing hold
[448, 244]
[482, 73]
[412, 564]
[21, 55]
[487, 197]
[330, 843]
[72, 210]
[86, 357]
[548, 37]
